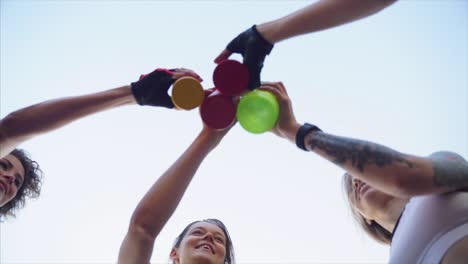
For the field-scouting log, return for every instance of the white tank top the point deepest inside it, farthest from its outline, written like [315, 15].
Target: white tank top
[428, 227]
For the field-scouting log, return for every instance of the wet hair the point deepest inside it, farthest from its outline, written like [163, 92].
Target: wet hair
[372, 228]
[31, 187]
[229, 258]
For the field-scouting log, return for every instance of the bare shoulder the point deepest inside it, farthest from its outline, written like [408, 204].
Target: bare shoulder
[449, 169]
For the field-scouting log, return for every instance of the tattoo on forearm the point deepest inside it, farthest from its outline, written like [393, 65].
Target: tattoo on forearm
[359, 152]
[450, 170]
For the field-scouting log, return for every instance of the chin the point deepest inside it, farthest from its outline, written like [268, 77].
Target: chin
[204, 257]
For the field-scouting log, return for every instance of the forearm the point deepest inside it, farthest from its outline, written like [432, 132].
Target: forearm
[384, 168]
[160, 202]
[321, 15]
[49, 115]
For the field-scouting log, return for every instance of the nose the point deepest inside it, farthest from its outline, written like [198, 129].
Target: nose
[356, 183]
[209, 237]
[9, 178]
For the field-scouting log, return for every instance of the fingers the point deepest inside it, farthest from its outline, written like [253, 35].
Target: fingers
[224, 55]
[181, 72]
[278, 85]
[219, 133]
[209, 91]
[277, 93]
[276, 88]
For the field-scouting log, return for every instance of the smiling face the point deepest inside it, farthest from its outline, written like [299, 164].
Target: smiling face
[11, 178]
[367, 200]
[204, 242]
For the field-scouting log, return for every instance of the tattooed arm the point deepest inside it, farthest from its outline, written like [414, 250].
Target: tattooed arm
[393, 172]
[450, 169]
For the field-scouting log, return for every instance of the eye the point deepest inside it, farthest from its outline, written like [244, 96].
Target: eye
[3, 165]
[197, 232]
[219, 240]
[18, 182]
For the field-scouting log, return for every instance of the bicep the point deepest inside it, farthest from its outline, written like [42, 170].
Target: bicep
[137, 248]
[450, 170]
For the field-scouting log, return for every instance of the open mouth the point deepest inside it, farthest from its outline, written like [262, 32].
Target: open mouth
[206, 246]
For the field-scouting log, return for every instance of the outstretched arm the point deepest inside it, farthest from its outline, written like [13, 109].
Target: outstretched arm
[396, 173]
[41, 118]
[318, 16]
[44, 117]
[160, 202]
[257, 42]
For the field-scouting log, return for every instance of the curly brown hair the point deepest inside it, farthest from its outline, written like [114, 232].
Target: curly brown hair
[31, 187]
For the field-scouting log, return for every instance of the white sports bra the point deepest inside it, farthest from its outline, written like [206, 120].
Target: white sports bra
[428, 227]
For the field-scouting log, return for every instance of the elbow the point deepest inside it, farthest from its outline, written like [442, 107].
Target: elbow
[11, 129]
[6, 125]
[141, 232]
[140, 226]
[3, 134]
[6, 134]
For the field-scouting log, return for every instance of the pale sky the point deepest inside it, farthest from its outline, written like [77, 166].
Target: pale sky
[398, 78]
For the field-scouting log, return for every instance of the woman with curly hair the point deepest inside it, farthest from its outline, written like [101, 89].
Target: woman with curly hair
[20, 177]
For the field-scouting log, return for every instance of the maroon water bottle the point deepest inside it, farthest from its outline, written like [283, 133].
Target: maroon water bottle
[218, 110]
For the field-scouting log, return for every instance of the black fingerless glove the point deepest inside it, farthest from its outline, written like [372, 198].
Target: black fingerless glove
[151, 89]
[254, 49]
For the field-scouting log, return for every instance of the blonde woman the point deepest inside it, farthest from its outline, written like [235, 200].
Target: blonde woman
[417, 205]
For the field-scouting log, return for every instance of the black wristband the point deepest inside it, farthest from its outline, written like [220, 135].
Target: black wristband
[302, 132]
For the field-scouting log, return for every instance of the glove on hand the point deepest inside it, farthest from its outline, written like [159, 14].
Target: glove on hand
[151, 89]
[254, 49]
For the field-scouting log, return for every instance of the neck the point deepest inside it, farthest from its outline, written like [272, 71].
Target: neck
[390, 213]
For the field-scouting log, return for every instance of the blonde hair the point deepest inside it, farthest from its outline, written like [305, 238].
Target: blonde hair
[372, 228]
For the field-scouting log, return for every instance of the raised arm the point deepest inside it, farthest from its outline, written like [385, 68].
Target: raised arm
[318, 16]
[257, 42]
[41, 118]
[160, 202]
[396, 173]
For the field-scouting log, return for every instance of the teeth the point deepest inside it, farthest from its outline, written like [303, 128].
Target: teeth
[206, 247]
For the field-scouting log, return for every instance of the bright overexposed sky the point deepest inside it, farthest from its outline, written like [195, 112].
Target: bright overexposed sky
[398, 78]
